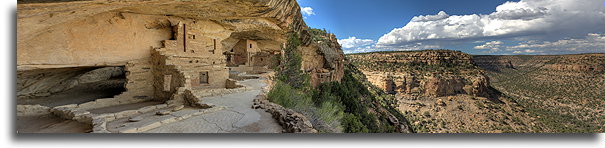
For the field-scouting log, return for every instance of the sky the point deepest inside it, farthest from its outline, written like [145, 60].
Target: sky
[494, 27]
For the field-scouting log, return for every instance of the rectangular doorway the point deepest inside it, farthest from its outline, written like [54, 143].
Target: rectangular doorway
[204, 77]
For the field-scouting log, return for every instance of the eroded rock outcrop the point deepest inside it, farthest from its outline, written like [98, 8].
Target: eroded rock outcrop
[429, 73]
[323, 59]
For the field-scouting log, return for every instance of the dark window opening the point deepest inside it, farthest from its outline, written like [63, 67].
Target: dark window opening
[250, 45]
[204, 77]
[184, 38]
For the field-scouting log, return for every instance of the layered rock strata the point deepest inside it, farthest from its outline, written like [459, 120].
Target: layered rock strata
[428, 73]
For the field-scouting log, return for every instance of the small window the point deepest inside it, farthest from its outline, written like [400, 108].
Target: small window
[261, 59]
[250, 45]
[204, 77]
[214, 44]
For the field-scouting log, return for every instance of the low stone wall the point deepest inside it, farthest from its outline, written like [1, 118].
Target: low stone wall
[98, 121]
[290, 120]
[71, 112]
[32, 110]
[232, 84]
[193, 97]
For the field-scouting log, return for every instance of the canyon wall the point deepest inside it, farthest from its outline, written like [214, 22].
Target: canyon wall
[586, 63]
[427, 73]
[107, 33]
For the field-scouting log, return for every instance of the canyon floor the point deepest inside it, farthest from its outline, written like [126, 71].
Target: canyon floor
[563, 92]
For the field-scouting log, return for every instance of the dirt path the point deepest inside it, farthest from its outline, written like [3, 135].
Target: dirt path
[238, 117]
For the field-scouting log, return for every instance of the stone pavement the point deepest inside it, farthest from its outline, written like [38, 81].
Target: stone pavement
[237, 116]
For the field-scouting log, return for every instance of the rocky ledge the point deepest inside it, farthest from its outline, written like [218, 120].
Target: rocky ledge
[428, 73]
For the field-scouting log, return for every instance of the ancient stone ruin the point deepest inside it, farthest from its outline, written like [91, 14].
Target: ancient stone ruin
[104, 62]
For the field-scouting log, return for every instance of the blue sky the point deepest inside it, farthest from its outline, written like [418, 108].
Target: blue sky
[472, 26]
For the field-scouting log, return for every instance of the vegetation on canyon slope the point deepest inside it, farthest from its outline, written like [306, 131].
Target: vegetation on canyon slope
[333, 106]
[458, 112]
[566, 101]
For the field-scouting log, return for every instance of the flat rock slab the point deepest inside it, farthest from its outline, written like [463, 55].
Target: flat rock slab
[135, 119]
[163, 112]
[177, 108]
[150, 120]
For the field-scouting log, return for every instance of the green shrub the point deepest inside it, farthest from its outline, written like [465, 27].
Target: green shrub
[333, 106]
[331, 114]
[290, 71]
[288, 97]
[352, 124]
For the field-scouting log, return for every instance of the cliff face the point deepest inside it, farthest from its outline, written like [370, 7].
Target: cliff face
[107, 33]
[323, 59]
[429, 73]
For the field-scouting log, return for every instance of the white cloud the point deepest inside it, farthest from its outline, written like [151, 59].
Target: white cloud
[518, 11]
[307, 11]
[374, 47]
[493, 46]
[540, 20]
[407, 47]
[441, 15]
[590, 43]
[353, 42]
[360, 49]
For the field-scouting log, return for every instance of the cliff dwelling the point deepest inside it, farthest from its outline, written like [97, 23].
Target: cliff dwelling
[246, 55]
[129, 67]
